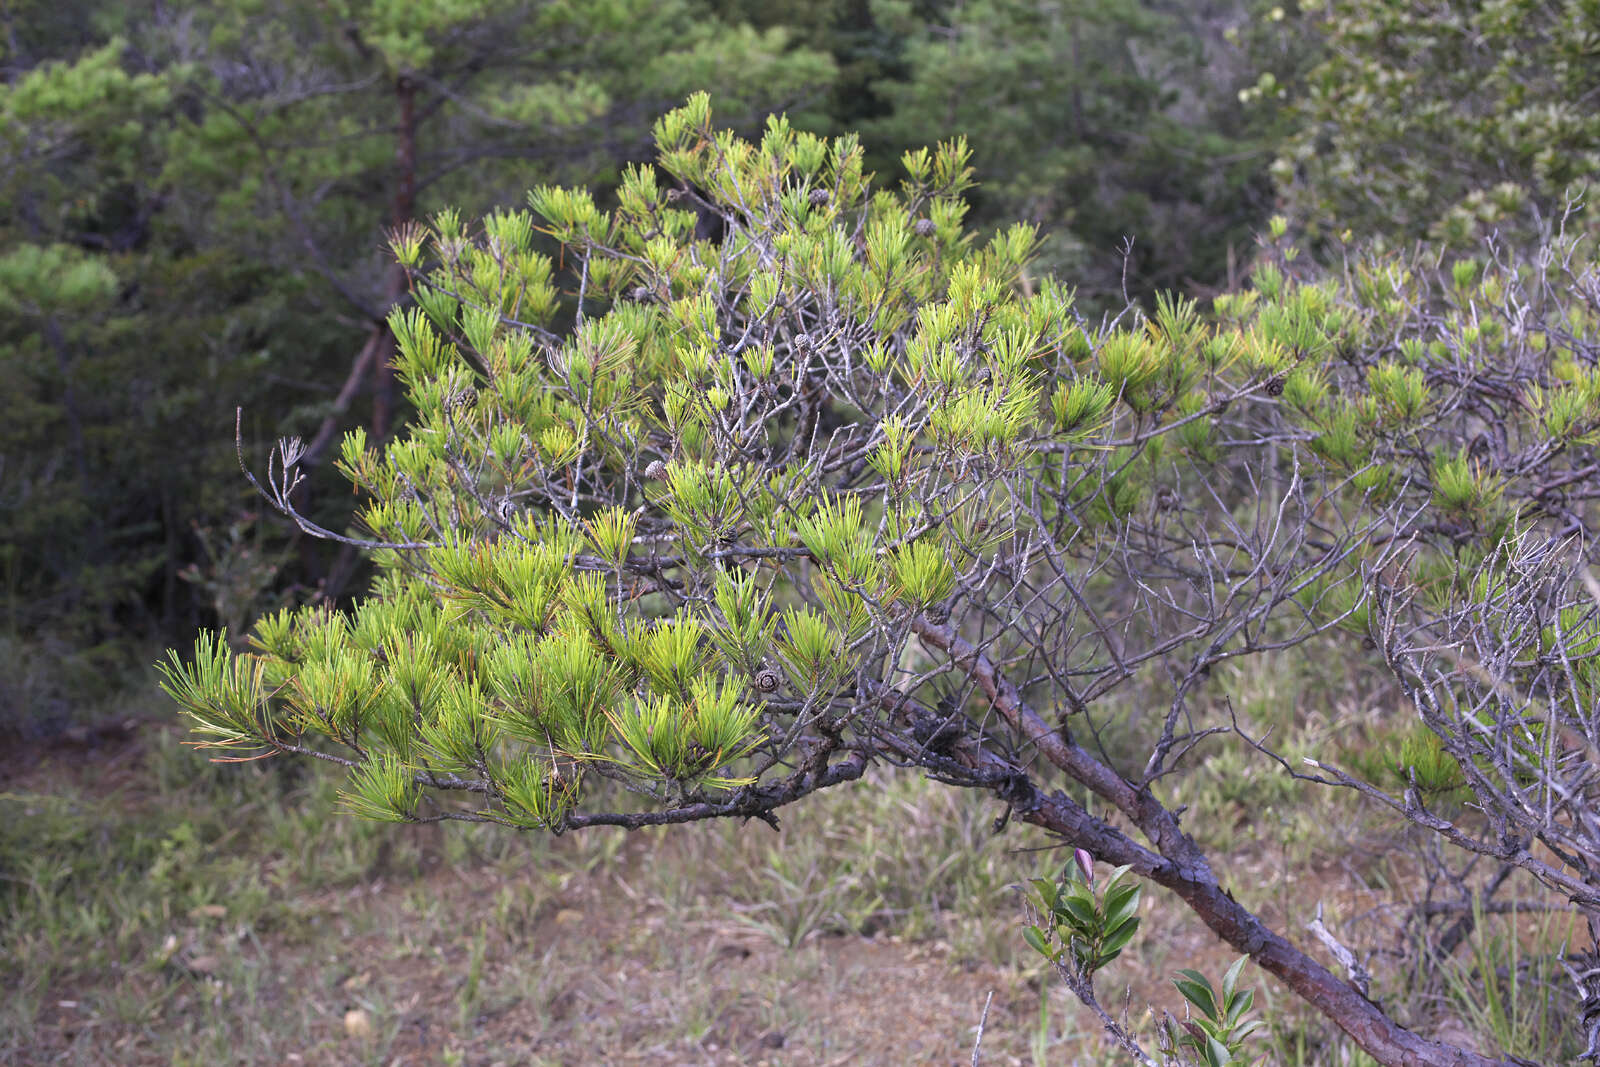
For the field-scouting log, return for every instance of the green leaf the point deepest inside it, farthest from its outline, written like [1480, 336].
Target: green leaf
[1121, 901]
[1117, 937]
[1230, 979]
[1080, 911]
[1037, 941]
[1240, 1004]
[1196, 989]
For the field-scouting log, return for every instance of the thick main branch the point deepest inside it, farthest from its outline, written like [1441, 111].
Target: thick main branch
[1178, 864]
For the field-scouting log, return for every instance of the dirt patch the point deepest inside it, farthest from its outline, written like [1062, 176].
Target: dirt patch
[308, 938]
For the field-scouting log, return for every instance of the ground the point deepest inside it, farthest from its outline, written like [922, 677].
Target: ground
[163, 909]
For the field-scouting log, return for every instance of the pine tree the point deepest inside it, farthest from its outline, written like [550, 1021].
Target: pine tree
[831, 485]
[229, 171]
[1103, 122]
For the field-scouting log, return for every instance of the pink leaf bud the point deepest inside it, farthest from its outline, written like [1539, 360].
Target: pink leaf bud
[1085, 864]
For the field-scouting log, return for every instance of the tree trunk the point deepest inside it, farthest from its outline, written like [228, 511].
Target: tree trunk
[1178, 864]
[1380, 1036]
[401, 211]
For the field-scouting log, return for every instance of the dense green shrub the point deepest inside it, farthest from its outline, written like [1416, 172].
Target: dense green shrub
[1449, 122]
[784, 482]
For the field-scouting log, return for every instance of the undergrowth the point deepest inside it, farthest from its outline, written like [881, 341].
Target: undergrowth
[200, 912]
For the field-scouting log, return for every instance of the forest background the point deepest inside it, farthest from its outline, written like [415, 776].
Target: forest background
[194, 200]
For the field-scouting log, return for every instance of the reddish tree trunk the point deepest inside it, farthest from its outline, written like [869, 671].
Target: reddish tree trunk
[374, 361]
[401, 212]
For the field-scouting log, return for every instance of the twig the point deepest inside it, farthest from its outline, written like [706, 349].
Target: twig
[982, 1021]
[1359, 976]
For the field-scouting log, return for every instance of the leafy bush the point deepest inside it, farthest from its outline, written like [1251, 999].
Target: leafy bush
[825, 485]
[1450, 122]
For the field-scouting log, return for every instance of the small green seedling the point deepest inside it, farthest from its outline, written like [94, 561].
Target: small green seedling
[1094, 925]
[1218, 1034]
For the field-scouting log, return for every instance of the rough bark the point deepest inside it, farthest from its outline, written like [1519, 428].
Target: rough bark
[1178, 864]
